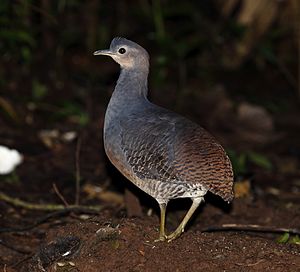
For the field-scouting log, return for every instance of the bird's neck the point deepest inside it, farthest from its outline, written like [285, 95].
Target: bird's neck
[132, 84]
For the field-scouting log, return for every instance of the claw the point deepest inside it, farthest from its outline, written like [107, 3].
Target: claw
[175, 234]
[161, 238]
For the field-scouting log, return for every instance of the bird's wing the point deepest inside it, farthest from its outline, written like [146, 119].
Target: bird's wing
[201, 159]
[165, 146]
[147, 146]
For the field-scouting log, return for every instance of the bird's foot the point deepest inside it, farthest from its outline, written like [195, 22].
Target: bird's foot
[175, 234]
[162, 238]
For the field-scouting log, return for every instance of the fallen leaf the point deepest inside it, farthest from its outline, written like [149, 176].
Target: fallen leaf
[97, 192]
[242, 189]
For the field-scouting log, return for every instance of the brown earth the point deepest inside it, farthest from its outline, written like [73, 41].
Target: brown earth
[110, 243]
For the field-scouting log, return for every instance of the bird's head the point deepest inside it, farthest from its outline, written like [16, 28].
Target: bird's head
[128, 54]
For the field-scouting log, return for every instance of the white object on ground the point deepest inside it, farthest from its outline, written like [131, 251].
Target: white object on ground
[9, 159]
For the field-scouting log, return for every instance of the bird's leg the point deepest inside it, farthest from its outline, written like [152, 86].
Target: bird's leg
[162, 234]
[180, 228]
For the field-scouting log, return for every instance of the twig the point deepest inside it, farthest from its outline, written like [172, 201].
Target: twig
[251, 264]
[77, 165]
[44, 207]
[60, 195]
[253, 228]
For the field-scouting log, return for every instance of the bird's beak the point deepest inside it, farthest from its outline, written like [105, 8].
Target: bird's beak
[103, 52]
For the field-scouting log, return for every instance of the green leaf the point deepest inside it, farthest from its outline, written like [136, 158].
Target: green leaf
[20, 36]
[259, 160]
[26, 54]
[81, 119]
[74, 112]
[283, 238]
[238, 162]
[295, 240]
[242, 163]
[39, 90]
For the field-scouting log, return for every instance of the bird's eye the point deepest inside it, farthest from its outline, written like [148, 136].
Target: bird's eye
[122, 50]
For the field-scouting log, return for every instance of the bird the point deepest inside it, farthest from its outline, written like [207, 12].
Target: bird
[163, 153]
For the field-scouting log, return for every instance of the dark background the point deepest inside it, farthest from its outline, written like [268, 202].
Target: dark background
[231, 66]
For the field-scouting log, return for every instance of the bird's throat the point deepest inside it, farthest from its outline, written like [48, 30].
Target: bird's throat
[132, 84]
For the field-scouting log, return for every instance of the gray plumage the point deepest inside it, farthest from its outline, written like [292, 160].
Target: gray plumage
[163, 153]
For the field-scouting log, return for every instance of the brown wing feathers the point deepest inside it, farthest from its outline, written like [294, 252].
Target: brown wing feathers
[164, 151]
[200, 159]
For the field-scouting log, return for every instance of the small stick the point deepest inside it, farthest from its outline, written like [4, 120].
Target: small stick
[251, 264]
[60, 195]
[251, 227]
[43, 207]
